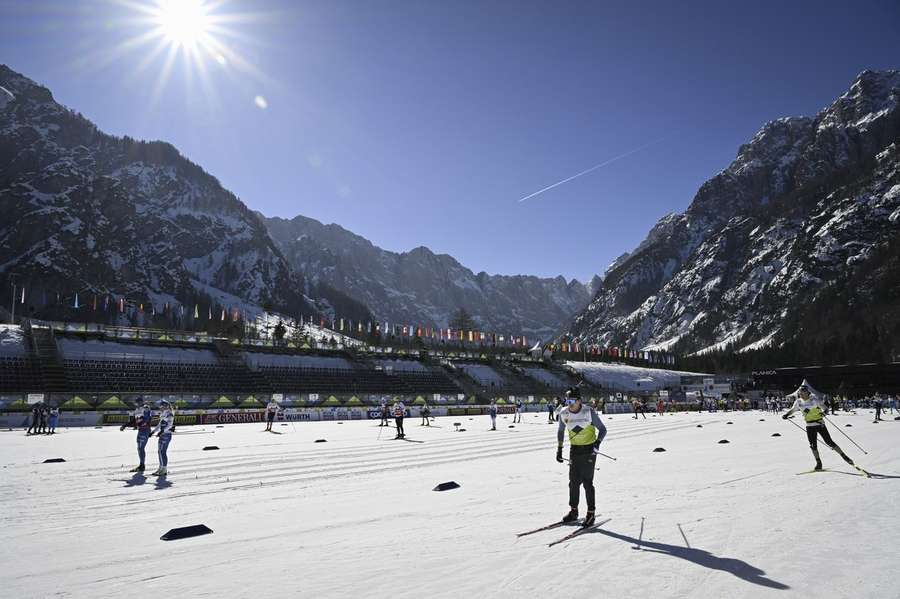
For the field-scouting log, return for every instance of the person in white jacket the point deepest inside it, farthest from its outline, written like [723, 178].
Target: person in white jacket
[271, 411]
[165, 427]
[814, 415]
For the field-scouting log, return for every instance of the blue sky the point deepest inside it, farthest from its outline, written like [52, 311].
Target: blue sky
[423, 123]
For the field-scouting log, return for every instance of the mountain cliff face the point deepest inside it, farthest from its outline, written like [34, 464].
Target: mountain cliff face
[85, 211]
[422, 287]
[808, 204]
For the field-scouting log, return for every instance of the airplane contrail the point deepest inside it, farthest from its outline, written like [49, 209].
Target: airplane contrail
[593, 168]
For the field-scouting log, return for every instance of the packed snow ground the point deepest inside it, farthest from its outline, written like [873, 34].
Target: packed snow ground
[357, 517]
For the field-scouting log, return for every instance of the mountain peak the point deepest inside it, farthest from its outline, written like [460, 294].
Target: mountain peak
[806, 203]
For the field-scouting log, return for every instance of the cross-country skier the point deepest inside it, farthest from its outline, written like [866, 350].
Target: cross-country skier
[638, 406]
[165, 426]
[399, 412]
[550, 412]
[35, 419]
[878, 407]
[586, 432]
[42, 427]
[517, 417]
[140, 420]
[492, 411]
[54, 417]
[271, 410]
[426, 414]
[814, 415]
[385, 413]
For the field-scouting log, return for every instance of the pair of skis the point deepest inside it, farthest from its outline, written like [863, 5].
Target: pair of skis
[579, 531]
[861, 471]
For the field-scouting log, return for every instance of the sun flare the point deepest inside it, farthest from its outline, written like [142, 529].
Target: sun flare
[183, 22]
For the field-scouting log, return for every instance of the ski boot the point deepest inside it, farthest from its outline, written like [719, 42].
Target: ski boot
[572, 516]
[160, 472]
[139, 468]
[588, 519]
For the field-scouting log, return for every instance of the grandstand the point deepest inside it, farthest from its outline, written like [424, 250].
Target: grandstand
[624, 378]
[107, 367]
[504, 377]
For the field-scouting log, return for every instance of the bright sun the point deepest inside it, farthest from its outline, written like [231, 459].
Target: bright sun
[183, 22]
[199, 38]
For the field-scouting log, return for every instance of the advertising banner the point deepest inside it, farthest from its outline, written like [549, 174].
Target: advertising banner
[232, 417]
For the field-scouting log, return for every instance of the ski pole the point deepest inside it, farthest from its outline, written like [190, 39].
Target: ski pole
[846, 435]
[607, 456]
[795, 424]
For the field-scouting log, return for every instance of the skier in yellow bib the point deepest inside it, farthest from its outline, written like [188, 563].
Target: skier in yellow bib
[586, 432]
[814, 415]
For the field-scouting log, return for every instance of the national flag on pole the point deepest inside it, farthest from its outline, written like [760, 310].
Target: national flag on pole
[196, 310]
[23, 295]
[76, 301]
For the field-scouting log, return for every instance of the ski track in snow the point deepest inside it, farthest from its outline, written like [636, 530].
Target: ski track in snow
[357, 514]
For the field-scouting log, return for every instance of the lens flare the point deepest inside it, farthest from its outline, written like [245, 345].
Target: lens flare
[183, 22]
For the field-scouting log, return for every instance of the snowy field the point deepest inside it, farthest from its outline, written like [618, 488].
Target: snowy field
[357, 517]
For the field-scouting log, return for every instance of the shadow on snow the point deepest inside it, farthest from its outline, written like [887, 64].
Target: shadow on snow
[738, 568]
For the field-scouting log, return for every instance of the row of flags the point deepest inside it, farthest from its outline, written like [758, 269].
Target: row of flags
[613, 352]
[111, 303]
[415, 331]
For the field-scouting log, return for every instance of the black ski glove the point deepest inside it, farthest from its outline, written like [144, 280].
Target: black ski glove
[122, 428]
[596, 446]
[786, 416]
[559, 457]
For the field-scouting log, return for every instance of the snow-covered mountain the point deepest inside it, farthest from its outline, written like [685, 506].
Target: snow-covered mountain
[420, 286]
[808, 206]
[89, 212]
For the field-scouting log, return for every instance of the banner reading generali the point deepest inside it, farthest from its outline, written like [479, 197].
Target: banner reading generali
[233, 417]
